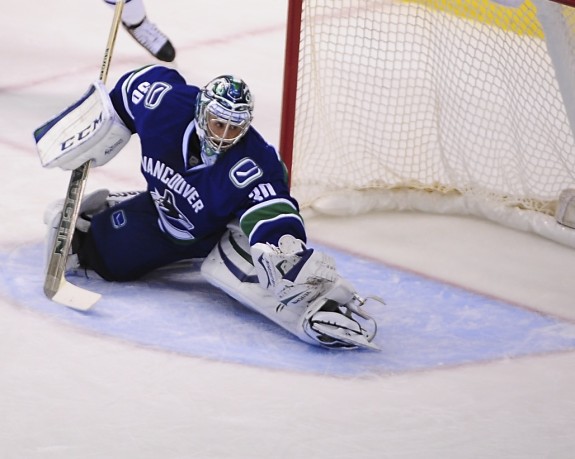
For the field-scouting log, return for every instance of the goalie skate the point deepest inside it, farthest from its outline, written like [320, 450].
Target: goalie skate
[341, 326]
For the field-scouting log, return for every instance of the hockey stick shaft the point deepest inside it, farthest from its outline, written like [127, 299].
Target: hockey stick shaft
[111, 40]
[56, 287]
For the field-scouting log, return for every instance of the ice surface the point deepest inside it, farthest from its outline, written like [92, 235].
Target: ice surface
[477, 335]
[426, 324]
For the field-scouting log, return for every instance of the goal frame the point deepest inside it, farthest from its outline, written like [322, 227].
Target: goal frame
[531, 221]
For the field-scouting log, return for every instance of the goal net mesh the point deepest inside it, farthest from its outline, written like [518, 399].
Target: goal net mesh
[443, 97]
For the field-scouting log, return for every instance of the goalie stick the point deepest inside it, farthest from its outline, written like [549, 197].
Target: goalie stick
[56, 287]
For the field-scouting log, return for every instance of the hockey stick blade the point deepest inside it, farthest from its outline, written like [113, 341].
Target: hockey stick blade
[73, 296]
[56, 287]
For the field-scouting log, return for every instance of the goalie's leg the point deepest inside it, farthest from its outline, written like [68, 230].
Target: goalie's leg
[228, 266]
[323, 322]
[118, 237]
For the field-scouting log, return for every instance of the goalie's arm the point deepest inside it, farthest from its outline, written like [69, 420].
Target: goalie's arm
[140, 98]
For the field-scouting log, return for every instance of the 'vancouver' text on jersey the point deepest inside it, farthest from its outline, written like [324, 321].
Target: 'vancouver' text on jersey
[194, 200]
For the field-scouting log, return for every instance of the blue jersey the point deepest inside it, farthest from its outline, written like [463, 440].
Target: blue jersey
[193, 201]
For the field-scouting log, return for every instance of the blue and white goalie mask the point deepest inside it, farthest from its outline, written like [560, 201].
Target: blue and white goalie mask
[223, 115]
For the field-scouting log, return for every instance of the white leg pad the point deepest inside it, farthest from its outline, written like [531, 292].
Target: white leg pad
[228, 267]
[334, 320]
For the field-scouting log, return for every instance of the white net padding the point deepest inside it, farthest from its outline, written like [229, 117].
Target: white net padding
[440, 106]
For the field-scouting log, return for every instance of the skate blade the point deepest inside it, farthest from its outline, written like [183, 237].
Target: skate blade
[356, 339]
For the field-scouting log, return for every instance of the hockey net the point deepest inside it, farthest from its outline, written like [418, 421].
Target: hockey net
[451, 106]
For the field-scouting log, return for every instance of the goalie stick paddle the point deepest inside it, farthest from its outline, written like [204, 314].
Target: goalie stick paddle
[56, 287]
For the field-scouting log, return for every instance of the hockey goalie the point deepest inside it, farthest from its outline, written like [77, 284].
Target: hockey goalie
[216, 190]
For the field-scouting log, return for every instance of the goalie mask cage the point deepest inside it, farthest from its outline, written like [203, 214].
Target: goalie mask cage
[449, 106]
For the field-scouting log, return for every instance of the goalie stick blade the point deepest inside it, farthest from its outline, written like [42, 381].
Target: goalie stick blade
[355, 339]
[71, 295]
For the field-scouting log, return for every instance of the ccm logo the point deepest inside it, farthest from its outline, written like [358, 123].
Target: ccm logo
[80, 136]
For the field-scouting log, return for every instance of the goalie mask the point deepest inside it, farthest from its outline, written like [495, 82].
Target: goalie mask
[223, 115]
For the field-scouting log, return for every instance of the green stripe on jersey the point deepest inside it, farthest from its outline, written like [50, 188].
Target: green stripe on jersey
[252, 217]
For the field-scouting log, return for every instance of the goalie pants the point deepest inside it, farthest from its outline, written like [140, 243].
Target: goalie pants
[124, 242]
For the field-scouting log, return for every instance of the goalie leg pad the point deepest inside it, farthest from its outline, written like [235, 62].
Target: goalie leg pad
[332, 321]
[229, 267]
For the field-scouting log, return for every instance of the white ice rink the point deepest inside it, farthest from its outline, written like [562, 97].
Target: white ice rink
[70, 393]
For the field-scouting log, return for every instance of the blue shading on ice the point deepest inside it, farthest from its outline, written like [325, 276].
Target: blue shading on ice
[425, 324]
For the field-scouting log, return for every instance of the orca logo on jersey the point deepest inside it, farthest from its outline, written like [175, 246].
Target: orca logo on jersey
[245, 172]
[172, 220]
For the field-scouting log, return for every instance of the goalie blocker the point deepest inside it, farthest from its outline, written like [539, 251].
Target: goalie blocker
[89, 130]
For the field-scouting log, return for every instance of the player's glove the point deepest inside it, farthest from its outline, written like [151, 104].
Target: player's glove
[293, 272]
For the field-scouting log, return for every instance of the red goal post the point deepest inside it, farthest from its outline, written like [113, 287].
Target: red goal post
[570, 3]
[293, 25]
[431, 105]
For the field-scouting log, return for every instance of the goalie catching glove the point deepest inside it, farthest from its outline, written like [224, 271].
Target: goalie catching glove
[301, 277]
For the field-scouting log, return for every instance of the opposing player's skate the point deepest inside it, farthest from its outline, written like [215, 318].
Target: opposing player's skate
[152, 39]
